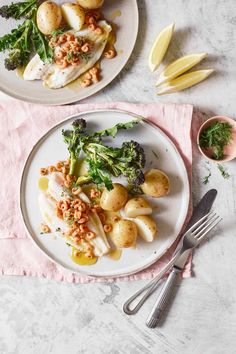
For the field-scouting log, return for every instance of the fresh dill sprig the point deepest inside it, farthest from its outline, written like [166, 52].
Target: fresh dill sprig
[223, 171]
[59, 31]
[206, 178]
[83, 56]
[70, 56]
[155, 154]
[216, 137]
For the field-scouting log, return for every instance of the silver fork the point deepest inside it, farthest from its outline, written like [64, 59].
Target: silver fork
[190, 240]
[194, 238]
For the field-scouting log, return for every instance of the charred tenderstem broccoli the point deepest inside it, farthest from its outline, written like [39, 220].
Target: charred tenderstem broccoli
[18, 10]
[20, 46]
[24, 39]
[104, 161]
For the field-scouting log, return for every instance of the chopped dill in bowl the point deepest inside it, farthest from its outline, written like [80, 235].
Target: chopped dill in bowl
[216, 137]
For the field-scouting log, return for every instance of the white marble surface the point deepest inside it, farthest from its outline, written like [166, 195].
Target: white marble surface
[41, 316]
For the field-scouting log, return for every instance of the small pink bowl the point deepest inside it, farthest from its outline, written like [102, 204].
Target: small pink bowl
[230, 150]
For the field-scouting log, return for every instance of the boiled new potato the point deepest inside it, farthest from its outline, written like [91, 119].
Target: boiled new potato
[90, 4]
[48, 17]
[114, 199]
[137, 206]
[147, 227]
[124, 233]
[74, 15]
[156, 184]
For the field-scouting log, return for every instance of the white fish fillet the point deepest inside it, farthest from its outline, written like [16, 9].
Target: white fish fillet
[56, 186]
[47, 208]
[35, 69]
[47, 204]
[54, 77]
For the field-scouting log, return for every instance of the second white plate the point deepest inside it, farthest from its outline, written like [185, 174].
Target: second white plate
[123, 13]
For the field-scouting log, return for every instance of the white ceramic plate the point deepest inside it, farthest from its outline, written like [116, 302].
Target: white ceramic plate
[123, 13]
[170, 214]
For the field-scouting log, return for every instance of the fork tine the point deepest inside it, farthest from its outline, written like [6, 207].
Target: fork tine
[199, 221]
[203, 224]
[207, 225]
[210, 222]
[209, 229]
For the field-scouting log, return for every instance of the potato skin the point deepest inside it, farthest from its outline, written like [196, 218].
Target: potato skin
[74, 15]
[157, 183]
[137, 206]
[124, 233]
[114, 199]
[48, 17]
[90, 4]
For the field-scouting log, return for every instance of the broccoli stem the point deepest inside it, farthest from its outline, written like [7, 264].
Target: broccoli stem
[83, 180]
[73, 161]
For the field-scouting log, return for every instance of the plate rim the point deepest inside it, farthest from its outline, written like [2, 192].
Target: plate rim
[24, 211]
[106, 83]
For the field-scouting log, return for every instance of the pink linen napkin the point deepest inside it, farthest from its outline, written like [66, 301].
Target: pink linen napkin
[22, 124]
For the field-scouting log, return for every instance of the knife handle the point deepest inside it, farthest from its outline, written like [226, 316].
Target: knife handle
[163, 299]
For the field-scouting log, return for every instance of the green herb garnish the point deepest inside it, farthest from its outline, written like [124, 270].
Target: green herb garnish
[59, 31]
[216, 137]
[83, 56]
[155, 154]
[223, 171]
[70, 56]
[70, 221]
[206, 178]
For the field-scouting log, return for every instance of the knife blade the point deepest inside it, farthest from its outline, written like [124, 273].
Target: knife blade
[203, 208]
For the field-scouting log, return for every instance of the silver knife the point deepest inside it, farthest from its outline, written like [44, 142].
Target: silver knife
[201, 209]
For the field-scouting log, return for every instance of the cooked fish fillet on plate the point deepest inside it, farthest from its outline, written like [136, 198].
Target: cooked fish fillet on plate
[54, 77]
[47, 204]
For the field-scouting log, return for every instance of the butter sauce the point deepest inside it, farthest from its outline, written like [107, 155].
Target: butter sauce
[43, 184]
[115, 254]
[20, 72]
[114, 15]
[80, 258]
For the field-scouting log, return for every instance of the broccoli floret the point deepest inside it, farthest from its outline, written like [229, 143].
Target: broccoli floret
[135, 176]
[18, 9]
[14, 60]
[79, 125]
[135, 150]
[4, 12]
[18, 44]
[134, 190]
